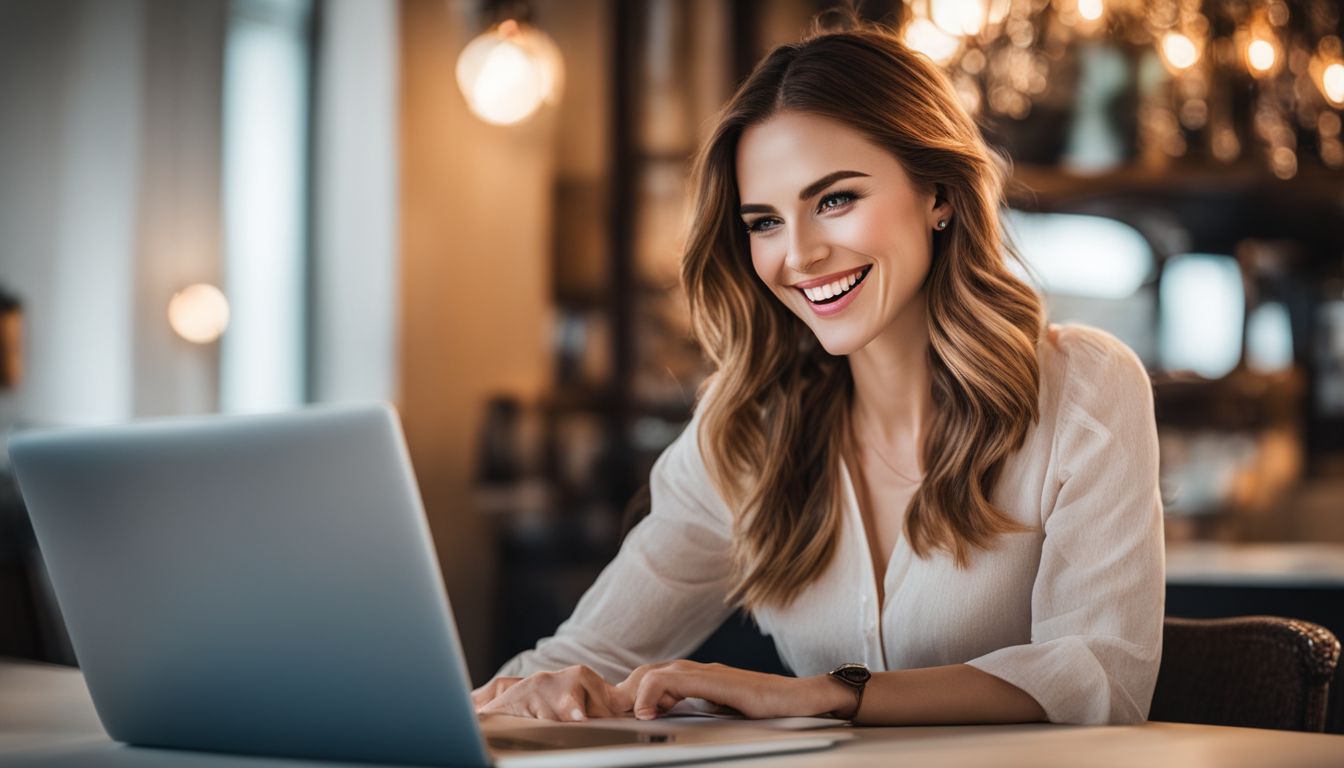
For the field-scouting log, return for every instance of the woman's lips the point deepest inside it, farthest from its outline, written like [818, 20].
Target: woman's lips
[820, 281]
[827, 306]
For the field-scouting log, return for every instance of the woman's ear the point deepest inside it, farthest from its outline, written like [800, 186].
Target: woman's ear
[940, 214]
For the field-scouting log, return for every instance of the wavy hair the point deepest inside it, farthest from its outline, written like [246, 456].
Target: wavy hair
[774, 389]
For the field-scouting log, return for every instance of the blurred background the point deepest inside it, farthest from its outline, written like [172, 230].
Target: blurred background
[475, 210]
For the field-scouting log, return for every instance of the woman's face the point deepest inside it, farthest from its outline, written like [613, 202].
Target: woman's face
[837, 230]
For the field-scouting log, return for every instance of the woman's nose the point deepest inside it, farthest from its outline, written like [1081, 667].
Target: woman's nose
[806, 248]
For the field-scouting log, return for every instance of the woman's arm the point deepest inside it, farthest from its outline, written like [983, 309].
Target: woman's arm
[1097, 602]
[662, 595]
[956, 693]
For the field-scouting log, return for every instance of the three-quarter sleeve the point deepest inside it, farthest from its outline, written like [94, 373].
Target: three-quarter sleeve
[1098, 597]
[666, 589]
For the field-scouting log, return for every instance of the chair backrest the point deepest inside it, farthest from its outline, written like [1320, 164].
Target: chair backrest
[1249, 671]
[1334, 712]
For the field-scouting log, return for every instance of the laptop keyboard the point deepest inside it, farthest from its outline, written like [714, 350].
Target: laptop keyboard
[573, 738]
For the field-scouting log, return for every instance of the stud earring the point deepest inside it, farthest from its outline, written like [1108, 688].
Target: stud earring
[942, 224]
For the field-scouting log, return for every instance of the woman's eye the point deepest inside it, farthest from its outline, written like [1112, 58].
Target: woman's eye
[836, 200]
[830, 202]
[762, 224]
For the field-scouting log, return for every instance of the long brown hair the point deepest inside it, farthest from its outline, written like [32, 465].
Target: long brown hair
[775, 389]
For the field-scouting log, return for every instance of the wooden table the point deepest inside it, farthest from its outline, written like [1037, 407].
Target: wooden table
[47, 720]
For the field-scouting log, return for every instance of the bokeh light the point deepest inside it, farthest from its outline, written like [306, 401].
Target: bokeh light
[508, 72]
[1179, 51]
[199, 313]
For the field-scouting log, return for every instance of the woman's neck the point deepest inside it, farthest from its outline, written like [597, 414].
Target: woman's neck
[892, 392]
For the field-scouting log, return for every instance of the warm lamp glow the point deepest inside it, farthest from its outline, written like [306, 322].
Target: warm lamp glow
[1090, 10]
[1332, 83]
[509, 71]
[998, 10]
[958, 17]
[1179, 51]
[199, 313]
[925, 36]
[1260, 54]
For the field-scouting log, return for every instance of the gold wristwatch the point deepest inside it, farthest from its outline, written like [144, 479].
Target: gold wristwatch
[856, 677]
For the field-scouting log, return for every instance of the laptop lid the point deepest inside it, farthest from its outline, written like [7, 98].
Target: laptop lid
[253, 584]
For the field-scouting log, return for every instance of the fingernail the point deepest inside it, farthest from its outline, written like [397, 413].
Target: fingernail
[576, 714]
[645, 714]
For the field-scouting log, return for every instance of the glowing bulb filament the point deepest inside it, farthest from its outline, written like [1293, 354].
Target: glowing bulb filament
[508, 72]
[1332, 83]
[1260, 54]
[1179, 50]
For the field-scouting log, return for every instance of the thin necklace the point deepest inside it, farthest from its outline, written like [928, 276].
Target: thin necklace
[873, 445]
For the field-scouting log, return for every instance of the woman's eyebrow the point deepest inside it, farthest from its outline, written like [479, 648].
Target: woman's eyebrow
[808, 191]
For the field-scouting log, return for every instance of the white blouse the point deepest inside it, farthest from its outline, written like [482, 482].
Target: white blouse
[1070, 612]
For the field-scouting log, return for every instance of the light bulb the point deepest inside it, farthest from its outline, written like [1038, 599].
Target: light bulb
[958, 17]
[509, 71]
[1090, 10]
[998, 10]
[1332, 83]
[199, 313]
[925, 36]
[1179, 51]
[1260, 54]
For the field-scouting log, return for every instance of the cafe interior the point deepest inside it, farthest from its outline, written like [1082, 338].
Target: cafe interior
[475, 210]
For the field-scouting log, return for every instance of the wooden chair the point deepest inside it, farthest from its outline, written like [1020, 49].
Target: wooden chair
[1249, 671]
[1334, 711]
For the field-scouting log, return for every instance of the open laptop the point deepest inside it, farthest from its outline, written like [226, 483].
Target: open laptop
[267, 585]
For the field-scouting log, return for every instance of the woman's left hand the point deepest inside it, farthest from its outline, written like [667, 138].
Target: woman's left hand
[656, 688]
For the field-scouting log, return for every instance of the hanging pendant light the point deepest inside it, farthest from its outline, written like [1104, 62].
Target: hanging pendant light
[509, 71]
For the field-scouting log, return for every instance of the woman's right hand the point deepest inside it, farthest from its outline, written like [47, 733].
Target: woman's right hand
[571, 694]
[488, 692]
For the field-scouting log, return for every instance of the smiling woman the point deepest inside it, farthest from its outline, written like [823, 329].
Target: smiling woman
[941, 509]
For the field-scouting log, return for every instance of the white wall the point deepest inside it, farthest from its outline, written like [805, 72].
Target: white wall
[70, 93]
[109, 178]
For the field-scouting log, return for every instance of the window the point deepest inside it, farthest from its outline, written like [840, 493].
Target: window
[1203, 307]
[1091, 270]
[265, 204]
[1269, 338]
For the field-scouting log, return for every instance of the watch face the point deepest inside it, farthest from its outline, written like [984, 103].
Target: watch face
[854, 674]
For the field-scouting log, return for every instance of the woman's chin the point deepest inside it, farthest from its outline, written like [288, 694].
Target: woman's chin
[838, 342]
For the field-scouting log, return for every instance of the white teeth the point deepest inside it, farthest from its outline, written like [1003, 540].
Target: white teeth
[831, 290]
